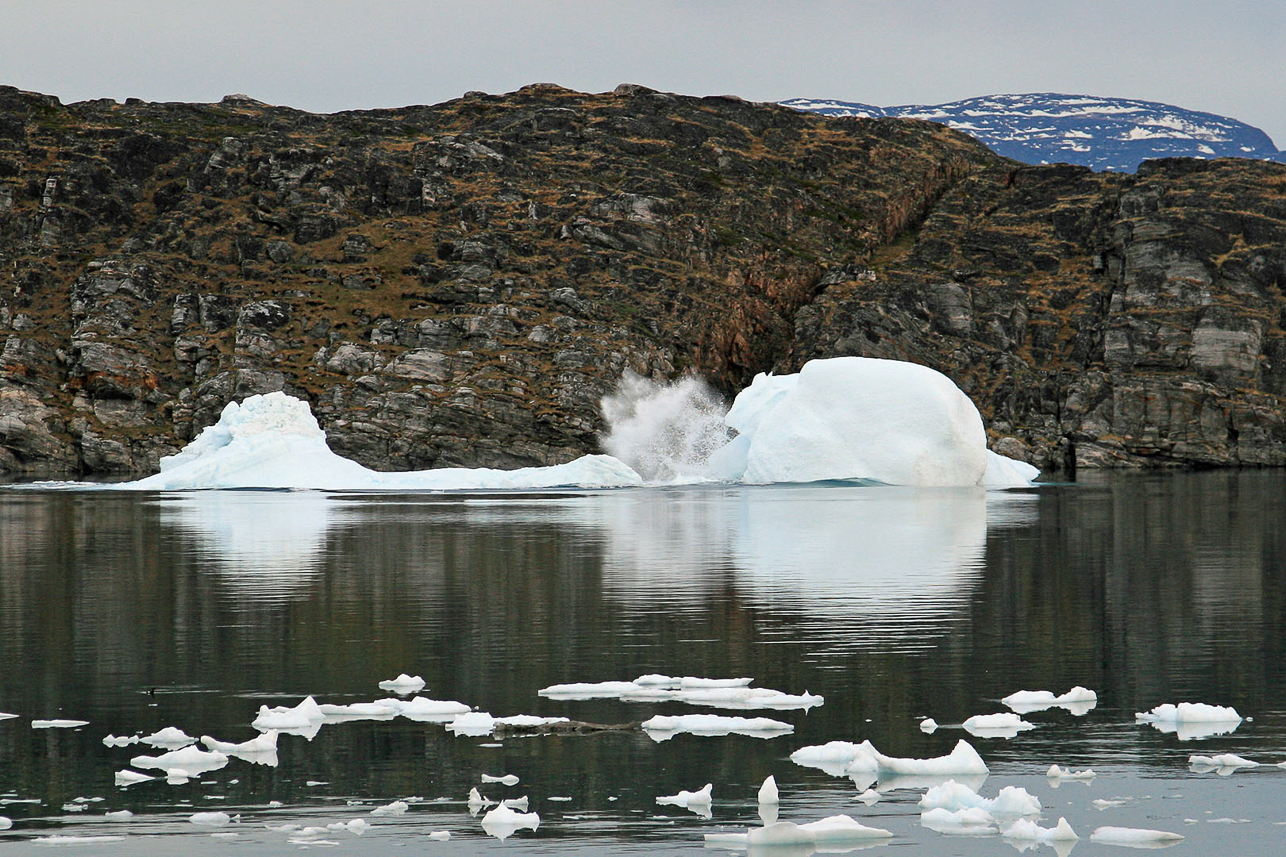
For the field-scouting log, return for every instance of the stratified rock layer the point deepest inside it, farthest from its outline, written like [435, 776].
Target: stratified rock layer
[461, 284]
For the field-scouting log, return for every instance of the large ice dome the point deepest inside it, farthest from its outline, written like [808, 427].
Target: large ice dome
[846, 418]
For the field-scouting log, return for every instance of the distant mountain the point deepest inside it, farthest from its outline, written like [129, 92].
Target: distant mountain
[1102, 133]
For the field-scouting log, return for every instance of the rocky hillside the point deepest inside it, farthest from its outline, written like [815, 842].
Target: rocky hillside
[1054, 128]
[461, 284]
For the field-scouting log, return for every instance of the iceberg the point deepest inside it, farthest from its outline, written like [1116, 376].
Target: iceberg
[304, 719]
[1223, 764]
[1057, 772]
[273, 441]
[171, 737]
[58, 724]
[506, 780]
[953, 797]
[1135, 836]
[1191, 720]
[260, 750]
[404, 684]
[502, 822]
[661, 728]
[968, 821]
[865, 763]
[861, 418]
[1078, 701]
[1004, 725]
[191, 761]
[697, 801]
[732, 693]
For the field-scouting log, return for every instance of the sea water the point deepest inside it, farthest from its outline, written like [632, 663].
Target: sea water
[141, 611]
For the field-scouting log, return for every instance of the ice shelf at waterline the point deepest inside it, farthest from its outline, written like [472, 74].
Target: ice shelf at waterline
[845, 418]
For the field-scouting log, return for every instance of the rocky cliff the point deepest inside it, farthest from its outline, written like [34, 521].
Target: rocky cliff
[461, 284]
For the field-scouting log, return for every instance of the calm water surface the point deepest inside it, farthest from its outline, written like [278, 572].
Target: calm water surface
[140, 611]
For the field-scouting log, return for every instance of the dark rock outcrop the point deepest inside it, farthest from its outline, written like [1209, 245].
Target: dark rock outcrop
[461, 284]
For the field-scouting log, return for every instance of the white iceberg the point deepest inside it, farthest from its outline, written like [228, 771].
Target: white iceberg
[425, 710]
[121, 740]
[191, 761]
[1027, 830]
[506, 780]
[1134, 836]
[966, 821]
[861, 418]
[663, 728]
[835, 833]
[1003, 725]
[304, 719]
[58, 724]
[358, 711]
[274, 441]
[210, 819]
[397, 807]
[1191, 720]
[404, 684]
[1222, 764]
[171, 737]
[768, 793]
[731, 693]
[865, 765]
[954, 796]
[260, 750]
[476, 724]
[502, 822]
[928, 725]
[126, 777]
[1058, 772]
[1079, 701]
[697, 801]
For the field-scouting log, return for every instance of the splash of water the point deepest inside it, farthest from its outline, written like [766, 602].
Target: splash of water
[666, 432]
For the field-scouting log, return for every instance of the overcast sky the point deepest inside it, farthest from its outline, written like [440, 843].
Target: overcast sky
[1226, 57]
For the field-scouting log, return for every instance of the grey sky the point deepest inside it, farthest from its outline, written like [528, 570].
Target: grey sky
[1224, 57]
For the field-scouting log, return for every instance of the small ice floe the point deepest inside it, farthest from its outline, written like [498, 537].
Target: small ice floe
[1136, 837]
[424, 710]
[58, 724]
[358, 711]
[477, 801]
[74, 807]
[405, 684]
[1026, 830]
[1079, 701]
[866, 765]
[1223, 764]
[440, 835]
[397, 807]
[185, 763]
[716, 693]
[304, 719]
[970, 821]
[661, 728]
[1010, 801]
[518, 803]
[260, 750]
[6, 716]
[1191, 720]
[357, 826]
[171, 737]
[5, 822]
[119, 815]
[1003, 725]
[476, 724]
[928, 725]
[1102, 803]
[506, 780]
[502, 822]
[126, 777]
[827, 834]
[1057, 772]
[121, 741]
[698, 801]
[768, 793]
[870, 797]
[210, 819]
[59, 839]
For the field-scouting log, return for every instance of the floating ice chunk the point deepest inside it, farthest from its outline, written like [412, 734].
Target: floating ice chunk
[359, 711]
[717, 693]
[261, 750]
[477, 801]
[210, 819]
[589, 690]
[1004, 725]
[518, 803]
[860, 418]
[6, 716]
[506, 780]
[662, 728]
[967, 821]
[1224, 764]
[828, 832]
[304, 719]
[698, 801]
[127, 777]
[1078, 701]
[404, 684]
[423, 709]
[170, 736]
[1134, 836]
[121, 741]
[529, 721]
[1057, 772]
[440, 835]
[928, 725]
[1101, 803]
[502, 822]
[689, 682]
[397, 807]
[835, 757]
[273, 441]
[58, 724]
[58, 839]
[5, 822]
[738, 841]
[1026, 829]
[189, 762]
[119, 815]
[768, 793]
[472, 724]
[1011, 801]
[963, 759]
[870, 797]
[1191, 720]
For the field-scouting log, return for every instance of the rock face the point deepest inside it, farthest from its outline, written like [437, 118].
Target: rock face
[461, 284]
